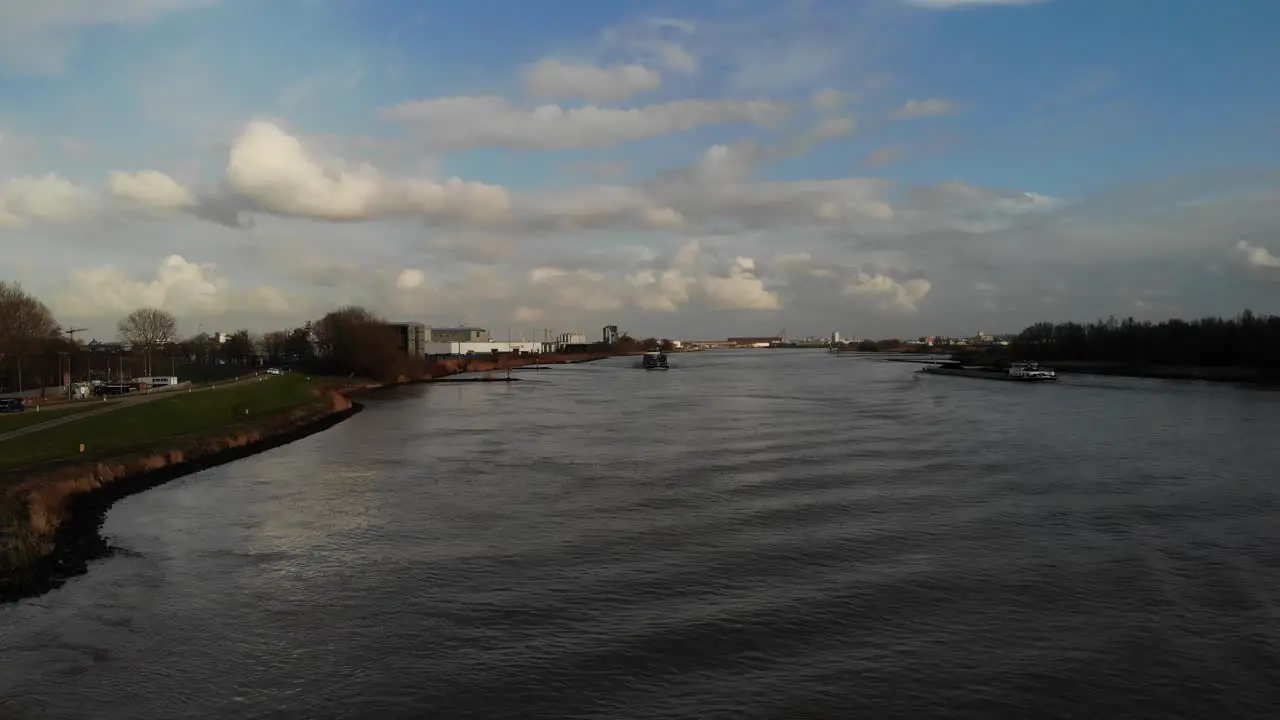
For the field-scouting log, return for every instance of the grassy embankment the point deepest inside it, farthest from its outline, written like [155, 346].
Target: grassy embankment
[53, 495]
[44, 475]
[17, 421]
[147, 424]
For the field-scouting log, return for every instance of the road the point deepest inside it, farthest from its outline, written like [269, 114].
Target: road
[124, 401]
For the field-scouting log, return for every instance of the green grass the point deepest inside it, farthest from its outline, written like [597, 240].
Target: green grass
[204, 373]
[30, 417]
[142, 424]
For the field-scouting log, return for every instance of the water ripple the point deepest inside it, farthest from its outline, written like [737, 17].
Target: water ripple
[750, 535]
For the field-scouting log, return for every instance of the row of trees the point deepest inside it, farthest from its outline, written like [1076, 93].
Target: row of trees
[29, 331]
[1248, 340]
[350, 340]
[624, 345]
[876, 345]
[36, 351]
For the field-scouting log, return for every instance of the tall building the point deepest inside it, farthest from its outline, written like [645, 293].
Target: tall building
[610, 334]
[412, 338]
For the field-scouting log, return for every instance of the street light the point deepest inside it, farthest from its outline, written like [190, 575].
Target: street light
[66, 378]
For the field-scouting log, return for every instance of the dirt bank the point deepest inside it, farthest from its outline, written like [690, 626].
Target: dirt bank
[50, 515]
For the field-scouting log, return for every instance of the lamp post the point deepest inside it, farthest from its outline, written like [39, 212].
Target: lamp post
[66, 377]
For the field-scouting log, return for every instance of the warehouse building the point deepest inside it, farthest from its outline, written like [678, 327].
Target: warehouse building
[454, 349]
[459, 334]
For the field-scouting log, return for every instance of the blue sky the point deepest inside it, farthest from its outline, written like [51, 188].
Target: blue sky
[1069, 106]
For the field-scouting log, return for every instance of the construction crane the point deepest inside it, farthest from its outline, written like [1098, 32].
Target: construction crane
[71, 332]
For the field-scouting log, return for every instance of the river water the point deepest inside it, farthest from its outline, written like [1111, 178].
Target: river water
[753, 534]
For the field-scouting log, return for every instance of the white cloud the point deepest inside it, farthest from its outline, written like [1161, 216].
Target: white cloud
[48, 198]
[926, 108]
[555, 80]
[150, 189]
[887, 293]
[740, 289]
[411, 279]
[661, 291]
[178, 285]
[1257, 257]
[584, 290]
[678, 284]
[277, 173]
[366, 214]
[668, 289]
[459, 123]
[677, 59]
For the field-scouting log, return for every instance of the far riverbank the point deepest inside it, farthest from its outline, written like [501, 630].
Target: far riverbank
[1167, 372]
[1154, 371]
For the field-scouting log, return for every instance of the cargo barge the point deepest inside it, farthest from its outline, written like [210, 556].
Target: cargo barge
[1017, 372]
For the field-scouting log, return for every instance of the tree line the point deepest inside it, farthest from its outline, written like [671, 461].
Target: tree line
[1248, 340]
[624, 345]
[36, 351]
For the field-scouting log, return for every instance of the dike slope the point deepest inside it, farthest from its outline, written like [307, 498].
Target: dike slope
[51, 515]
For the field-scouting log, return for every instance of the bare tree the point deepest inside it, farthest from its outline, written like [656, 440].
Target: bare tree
[148, 328]
[353, 340]
[26, 324]
[240, 347]
[274, 343]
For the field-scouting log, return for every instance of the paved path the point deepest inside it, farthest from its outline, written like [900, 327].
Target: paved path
[124, 401]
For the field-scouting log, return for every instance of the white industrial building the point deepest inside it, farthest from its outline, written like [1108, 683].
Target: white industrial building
[485, 348]
[571, 338]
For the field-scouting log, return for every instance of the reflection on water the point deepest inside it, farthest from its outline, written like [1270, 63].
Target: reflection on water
[749, 535]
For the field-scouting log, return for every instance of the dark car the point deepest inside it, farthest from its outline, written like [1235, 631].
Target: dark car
[12, 405]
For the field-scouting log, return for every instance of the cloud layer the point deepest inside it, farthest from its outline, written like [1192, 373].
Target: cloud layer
[709, 175]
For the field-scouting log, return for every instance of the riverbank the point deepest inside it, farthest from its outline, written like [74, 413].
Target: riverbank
[51, 509]
[50, 513]
[1166, 372]
[455, 366]
[1154, 371]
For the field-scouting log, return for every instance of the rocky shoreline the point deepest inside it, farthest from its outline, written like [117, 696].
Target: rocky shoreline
[50, 518]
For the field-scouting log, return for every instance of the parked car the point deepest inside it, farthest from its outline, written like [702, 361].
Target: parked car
[274, 371]
[12, 405]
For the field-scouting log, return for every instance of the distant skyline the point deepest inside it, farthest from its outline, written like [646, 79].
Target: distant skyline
[875, 167]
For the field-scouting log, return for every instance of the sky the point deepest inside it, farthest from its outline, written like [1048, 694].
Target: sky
[880, 168]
